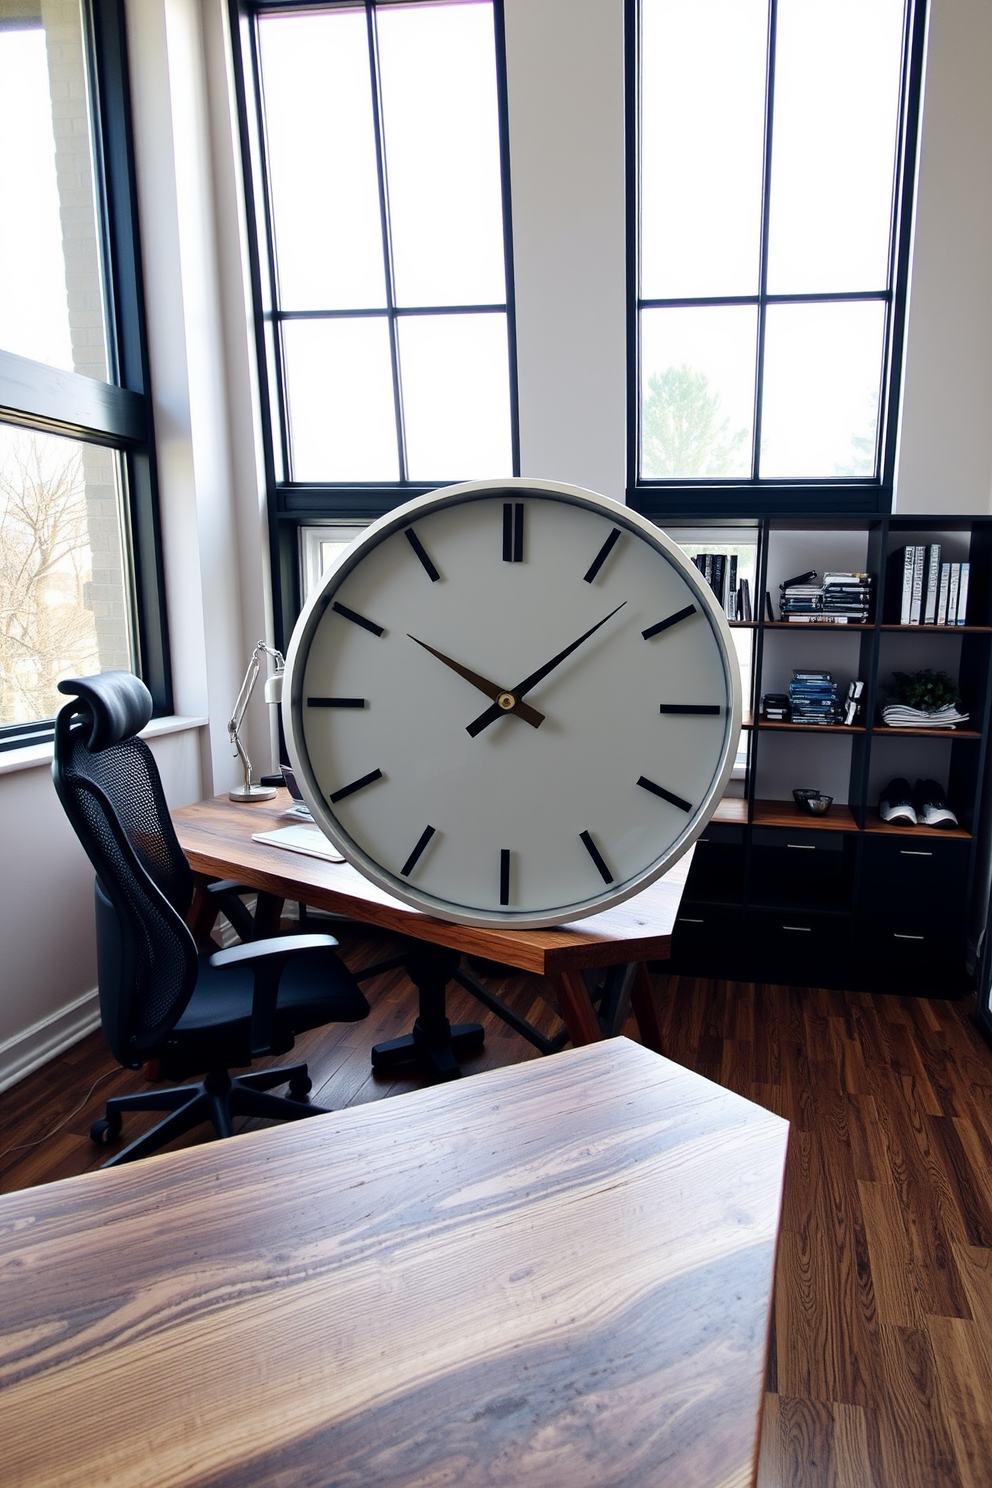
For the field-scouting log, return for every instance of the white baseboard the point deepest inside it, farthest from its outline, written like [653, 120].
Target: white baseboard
[28, 1051]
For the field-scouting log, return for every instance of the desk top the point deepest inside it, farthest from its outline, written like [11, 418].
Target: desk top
[217, 838]
[555, 1273]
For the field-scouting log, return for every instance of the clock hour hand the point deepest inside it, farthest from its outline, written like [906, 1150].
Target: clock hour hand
[522, 688]
[503, 700]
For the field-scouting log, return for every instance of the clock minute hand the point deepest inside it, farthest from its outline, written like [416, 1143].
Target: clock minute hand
[491, 689]
[518, 692]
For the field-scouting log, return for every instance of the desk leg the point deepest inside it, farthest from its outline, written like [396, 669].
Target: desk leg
[434, 1044]
[645, 1011]
[573, 1003]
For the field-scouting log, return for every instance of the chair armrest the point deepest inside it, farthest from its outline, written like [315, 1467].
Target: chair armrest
[267, 950]
[267, 958]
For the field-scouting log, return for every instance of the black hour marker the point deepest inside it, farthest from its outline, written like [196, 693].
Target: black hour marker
[319, 702]
[504, 876]
[377, 630]
[421, 553]
[356, 785]
[708, 710]
[596, 856]
[666, 795]
[415, 856]
[601, 556]
[654, 630]
[513, 532]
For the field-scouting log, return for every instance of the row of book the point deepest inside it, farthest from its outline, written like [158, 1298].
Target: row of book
[838, 599]
[924, 590]
[814, 697]
[720, 572]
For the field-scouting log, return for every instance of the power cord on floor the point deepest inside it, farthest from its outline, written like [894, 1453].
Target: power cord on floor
[24, 1146]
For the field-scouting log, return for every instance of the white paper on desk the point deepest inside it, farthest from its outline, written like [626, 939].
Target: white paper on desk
[301, 839]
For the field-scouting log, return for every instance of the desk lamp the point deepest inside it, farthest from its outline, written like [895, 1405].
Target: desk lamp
[273, 694]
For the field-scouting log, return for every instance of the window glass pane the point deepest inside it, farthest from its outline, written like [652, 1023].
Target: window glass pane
[837, 75]
[702, 133]
[323, 178]
[64, 608]
[51, 280]
[339, 389]
[823, 366]
[440, 117]
[456, 396]
[697, 391]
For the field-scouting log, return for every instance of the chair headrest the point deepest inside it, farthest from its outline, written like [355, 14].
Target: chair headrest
[118, 703]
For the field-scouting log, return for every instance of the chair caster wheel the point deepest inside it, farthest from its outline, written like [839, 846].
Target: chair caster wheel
[300, 1088]
[106, 1130]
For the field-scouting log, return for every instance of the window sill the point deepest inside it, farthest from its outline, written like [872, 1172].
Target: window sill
[33, 755]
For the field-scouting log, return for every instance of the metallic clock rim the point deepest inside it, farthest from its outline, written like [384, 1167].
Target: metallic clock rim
[516, 489]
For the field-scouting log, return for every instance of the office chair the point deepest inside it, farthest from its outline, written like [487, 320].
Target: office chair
[160, 1000]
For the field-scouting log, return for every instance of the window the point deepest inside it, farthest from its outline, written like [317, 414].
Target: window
[376, 160]
[773, 171]
[79, 579]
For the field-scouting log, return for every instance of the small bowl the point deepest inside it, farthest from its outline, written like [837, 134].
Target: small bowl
[802, 795]
[818, 805]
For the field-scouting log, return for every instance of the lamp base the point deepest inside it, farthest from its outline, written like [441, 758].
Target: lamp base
[246, 794]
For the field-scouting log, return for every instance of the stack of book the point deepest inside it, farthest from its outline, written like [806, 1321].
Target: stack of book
[923, 590]
[720, 572]
[840, 599]
[775, 707]
[813, 698]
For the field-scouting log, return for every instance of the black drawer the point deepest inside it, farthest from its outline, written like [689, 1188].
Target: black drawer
[785, 945]
[799, 868]
[706, 940]
[902, 874]
[717, 870]
[904, 952]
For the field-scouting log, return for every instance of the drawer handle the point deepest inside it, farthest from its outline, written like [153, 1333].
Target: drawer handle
[897, 936]
[702, 839]
[685, 920]
[801, 846]
[911, 852]
[806, 929]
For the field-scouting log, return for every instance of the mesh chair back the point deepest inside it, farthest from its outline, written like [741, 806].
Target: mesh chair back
[111, 791]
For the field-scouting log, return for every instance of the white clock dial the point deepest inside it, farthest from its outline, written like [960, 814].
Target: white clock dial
[512, 703]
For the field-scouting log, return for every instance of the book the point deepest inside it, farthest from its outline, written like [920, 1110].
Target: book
[952, 594]
[932, 585]
[731, 605]
[916, 602]
[962, 617]
[899, 585]
[820, 619]
[769, 612]
[945, 580]
[746, 611]
[717, 575]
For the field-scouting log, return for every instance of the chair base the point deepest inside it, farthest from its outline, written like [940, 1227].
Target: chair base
[218, 1098]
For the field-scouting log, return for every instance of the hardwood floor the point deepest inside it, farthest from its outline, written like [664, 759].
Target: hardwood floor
[880, 1371]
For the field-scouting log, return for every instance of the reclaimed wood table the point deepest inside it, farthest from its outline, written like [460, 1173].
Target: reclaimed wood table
[217, 837]
[555, 1274]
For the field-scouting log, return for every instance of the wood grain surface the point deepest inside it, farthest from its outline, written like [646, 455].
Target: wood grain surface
[216, 836]
[555, 1274]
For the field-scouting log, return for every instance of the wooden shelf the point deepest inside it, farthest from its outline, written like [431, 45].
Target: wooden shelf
[886, 731]
[874, 823]
[812, 728]
[731, 809]
[788, 814]
[941, 629]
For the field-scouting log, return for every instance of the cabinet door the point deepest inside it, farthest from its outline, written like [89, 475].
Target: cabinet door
[717, 871]
[809, 949]
[902, 953]
[802, 868]
[706, 940]
[914, 875]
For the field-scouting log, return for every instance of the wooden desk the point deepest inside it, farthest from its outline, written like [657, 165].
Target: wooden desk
[216, 836]
[555, 1274]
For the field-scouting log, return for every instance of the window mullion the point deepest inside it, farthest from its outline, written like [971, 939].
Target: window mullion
[759, 371]
[387, 254]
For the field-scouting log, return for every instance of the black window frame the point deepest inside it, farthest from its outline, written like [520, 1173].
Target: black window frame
[293, 505]
[118, 413]
[770, 496]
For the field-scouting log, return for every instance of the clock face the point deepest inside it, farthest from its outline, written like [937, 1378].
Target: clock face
[512, 703]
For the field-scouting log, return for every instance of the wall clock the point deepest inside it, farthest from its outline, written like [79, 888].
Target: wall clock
[512, 703]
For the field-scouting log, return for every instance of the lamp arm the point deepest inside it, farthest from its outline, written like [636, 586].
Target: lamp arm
[244, 698]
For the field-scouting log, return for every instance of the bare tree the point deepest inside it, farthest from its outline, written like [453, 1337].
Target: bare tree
[46, 629]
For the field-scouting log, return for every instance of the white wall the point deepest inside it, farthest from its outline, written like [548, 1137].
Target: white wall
[565, 75]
